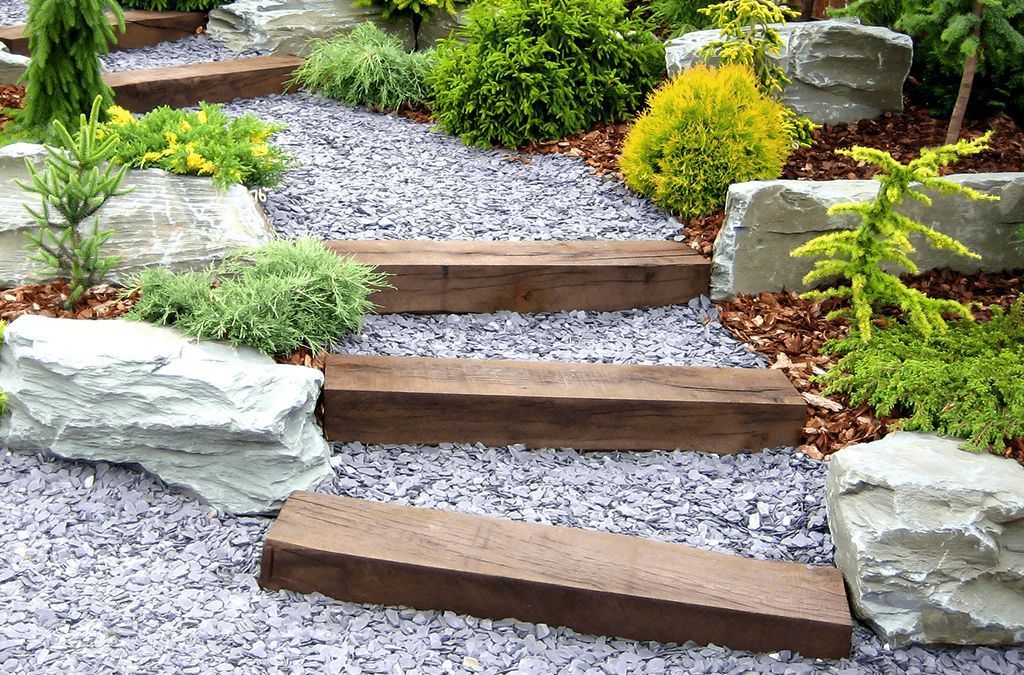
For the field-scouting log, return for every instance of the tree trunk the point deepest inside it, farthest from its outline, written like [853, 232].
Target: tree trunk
[963, 97]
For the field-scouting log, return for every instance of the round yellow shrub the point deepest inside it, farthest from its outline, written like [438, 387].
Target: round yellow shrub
[702, 132]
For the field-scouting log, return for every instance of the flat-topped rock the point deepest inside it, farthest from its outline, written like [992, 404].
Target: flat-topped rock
[765, 220]
[840, 71]
[290, 26]
[226, 424]
[930, 539]
[12, 66]
[176, 222]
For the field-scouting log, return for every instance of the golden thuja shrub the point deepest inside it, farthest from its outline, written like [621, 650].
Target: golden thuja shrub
[702, 132]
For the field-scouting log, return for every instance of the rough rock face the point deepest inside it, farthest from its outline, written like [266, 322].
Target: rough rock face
[440, 26]
[930, 539]
[12, 66]
[765, 220]
[841, 71]
[177, 222]
[229, 425]
[289, 26]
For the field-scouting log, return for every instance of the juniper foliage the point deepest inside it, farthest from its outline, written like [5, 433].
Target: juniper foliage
[173, 5]
[967, 381]
[276, 298]
[66, 38]
[861, 255]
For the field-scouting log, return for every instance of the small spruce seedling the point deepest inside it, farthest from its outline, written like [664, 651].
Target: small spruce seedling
[75, 182]
[882, 239]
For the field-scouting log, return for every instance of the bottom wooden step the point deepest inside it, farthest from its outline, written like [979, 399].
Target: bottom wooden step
[394, 399]
[593, 582]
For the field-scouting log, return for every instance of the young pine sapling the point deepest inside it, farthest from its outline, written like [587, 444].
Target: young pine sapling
[75, 182]
[882, 239]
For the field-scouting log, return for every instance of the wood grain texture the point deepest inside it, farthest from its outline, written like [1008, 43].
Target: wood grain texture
[531, 276]
[142, 29]
[393, 399]
[213, 82]
[594, 582]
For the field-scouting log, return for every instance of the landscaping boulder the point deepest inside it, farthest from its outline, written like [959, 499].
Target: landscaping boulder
[765, 220]
[930, 539]
[290, 26]
[226, 424]
[176, 222]
[12, 66]
[440, 26]
[840, 71]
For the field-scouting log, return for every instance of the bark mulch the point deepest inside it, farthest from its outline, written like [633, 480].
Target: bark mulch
[99, 302]
[791, 331]
[10, 97]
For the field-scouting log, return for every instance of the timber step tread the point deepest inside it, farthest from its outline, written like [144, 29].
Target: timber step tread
[214, 82]
[142, 29]
[594, 582]
[416, 400]
[531, 276]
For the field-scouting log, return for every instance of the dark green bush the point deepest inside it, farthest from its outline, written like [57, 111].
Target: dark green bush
[942, 32]
[366, 67]
[530, 70]
[681, 16]
[66, 38]
[277, 298]
[967, 381]
[704, 131]
[417, 9]
[173, 5]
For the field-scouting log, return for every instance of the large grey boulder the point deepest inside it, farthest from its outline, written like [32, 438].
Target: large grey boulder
[440, 26]
[930, 539]
[840, 71]
[176, 222]
[290, 26]
[229, 425]
[765, 220]
[12, 66]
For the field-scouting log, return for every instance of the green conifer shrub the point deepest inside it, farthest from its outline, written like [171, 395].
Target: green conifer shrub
[419, 10]
[882, 239]
[967, 381]
[681, 16]
[749, 38]
[943, 32]
[703, 131]
[532, 70]
[75, 182]
[205, 142]
[367, 67]
[276, 298]
[66, 37]
[173, 5]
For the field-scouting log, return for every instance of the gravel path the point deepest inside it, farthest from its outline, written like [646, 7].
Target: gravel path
[194, 49]
[372, 176]
[13, 12]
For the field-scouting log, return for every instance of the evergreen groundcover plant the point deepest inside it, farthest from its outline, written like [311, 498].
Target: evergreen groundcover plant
[173, 5]
[859, 258]
[276, 298]
[367, 67]
[681, 16]
[967, 381]
[66, 38]
[532, 70]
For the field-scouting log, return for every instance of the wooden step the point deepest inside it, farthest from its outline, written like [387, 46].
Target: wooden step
[593, 582]
[412, 400]
[531, 276]
[142, 29]
[213, 82]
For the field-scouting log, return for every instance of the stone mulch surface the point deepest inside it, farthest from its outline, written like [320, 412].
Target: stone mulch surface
[791, 331]
[10, 97]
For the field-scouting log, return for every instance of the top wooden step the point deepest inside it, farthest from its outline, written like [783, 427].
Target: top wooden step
[142, 29]
[531, 276]
[213, 82]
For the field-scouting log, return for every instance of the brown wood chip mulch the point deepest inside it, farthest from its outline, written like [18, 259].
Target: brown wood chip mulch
[10, 97]
[791, 331]
[99, 302]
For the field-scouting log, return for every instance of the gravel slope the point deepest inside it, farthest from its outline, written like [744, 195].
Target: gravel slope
[13, 12]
